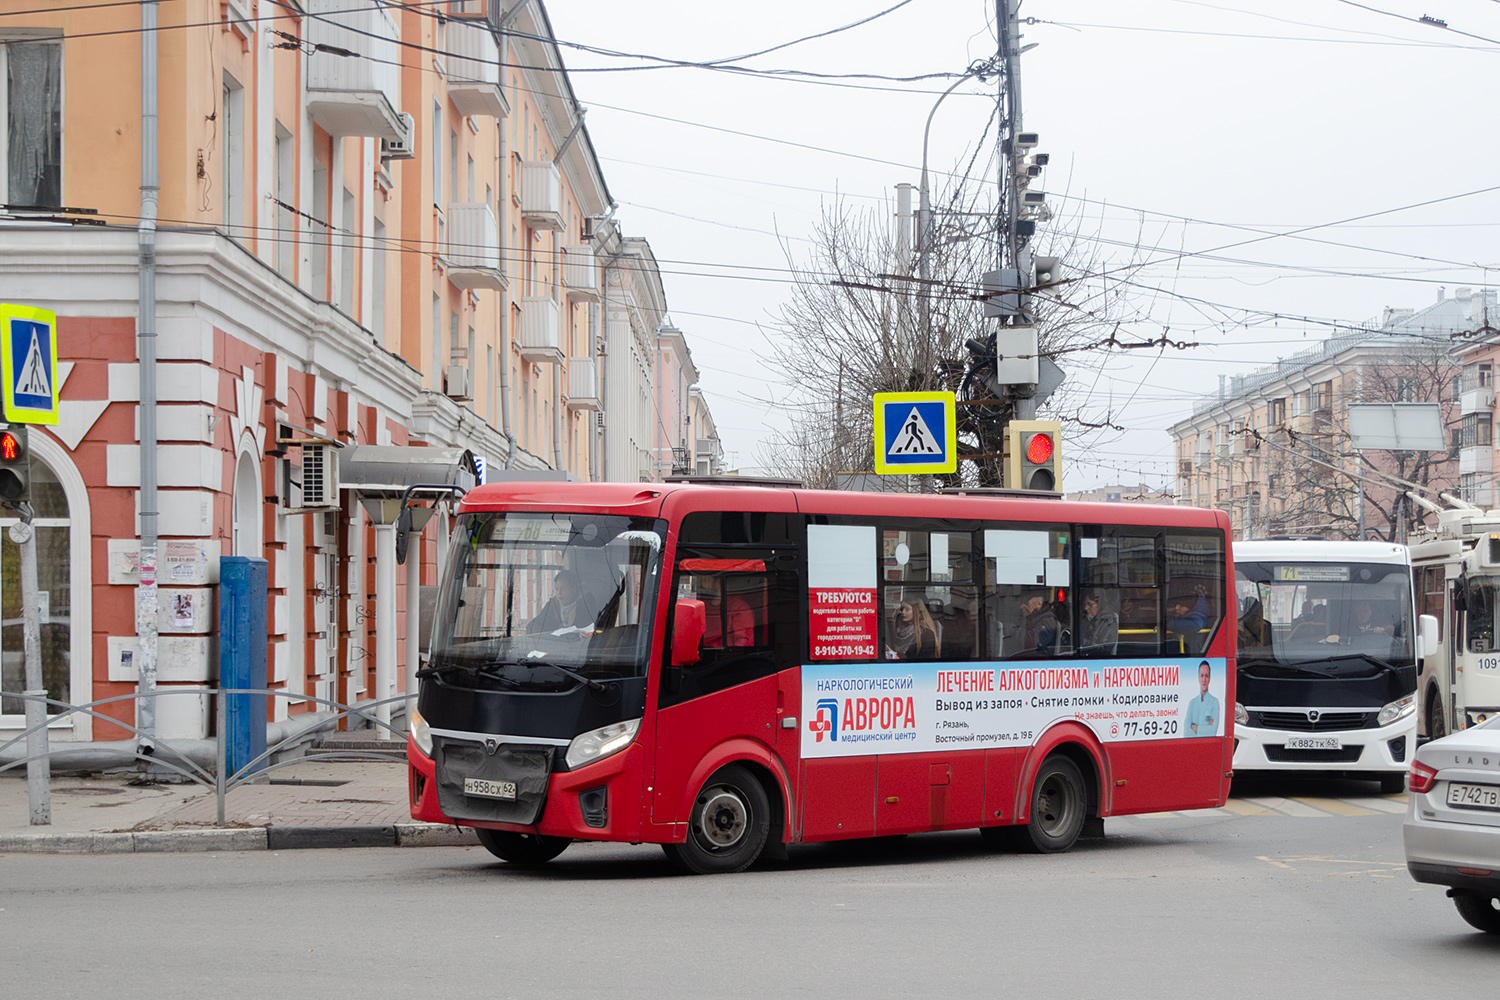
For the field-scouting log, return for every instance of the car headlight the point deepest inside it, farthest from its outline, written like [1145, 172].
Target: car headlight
[600, 743]
[1241, 717]
[421, 733]
[1398, 709]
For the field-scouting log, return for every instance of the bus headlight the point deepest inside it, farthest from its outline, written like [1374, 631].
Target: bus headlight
[600, 743]
[1241, 717]
[421, 733]
[1398, 709]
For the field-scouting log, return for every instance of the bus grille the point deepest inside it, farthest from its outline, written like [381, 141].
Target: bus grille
[1326, 722]
[1348, 755]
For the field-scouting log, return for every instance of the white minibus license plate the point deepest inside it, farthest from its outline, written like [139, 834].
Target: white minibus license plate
[486, 789]
[1474, 796]
[1314, 743]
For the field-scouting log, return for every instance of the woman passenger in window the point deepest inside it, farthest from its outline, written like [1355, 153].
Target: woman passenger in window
[913, 635]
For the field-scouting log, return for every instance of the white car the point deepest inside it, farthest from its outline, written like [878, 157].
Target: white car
[1452, 828]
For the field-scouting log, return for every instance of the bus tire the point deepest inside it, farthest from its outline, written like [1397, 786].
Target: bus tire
[1390, 784]
[727, 830]
[1479, 910]
[1059, 806]
[1437, 728]
[521, 848]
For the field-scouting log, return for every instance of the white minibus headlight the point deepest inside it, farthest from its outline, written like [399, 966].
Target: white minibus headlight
[1241, 717]
[421, 733]
[600, 743]
[1398, 709]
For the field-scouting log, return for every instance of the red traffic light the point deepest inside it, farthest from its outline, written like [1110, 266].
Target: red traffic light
[11, 446]
[1039, 449]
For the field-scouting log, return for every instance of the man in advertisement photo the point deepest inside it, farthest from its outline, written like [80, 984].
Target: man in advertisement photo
[1203, 711]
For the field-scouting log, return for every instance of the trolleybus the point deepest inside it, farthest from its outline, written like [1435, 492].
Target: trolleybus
[727, 671]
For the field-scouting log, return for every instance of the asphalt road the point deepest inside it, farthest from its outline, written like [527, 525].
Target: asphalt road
[1314, 902]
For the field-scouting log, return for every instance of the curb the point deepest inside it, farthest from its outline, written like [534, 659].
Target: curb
[257, 838]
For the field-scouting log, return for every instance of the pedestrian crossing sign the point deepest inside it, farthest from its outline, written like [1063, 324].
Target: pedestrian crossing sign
[28, 364]
[915, 433]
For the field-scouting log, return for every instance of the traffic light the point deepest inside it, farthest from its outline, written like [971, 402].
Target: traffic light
[15, 465]
[1033, 461]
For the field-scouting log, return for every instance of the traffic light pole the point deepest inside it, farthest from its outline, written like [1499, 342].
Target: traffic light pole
[38, 767]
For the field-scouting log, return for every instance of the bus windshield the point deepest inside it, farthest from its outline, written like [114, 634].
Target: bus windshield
[547, 602]
[1326, 618]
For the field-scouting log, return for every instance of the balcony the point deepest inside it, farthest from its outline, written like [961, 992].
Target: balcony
[1480, 399]
[541, 328]
[583, 384]
[1480, 458]
[473, 247]
[541, 195]
[357, 95]
[580, 274]
[1311, 423]
[474, 70]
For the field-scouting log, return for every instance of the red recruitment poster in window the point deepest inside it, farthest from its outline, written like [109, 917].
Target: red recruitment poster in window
[842, 623]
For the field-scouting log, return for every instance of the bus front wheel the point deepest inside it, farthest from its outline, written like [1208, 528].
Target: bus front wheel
[727, 830]
[1437, 726]
[1059, 805]
[521, 848]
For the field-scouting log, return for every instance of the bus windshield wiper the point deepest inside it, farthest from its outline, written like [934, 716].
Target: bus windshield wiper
[542, 661]
[1373, 661]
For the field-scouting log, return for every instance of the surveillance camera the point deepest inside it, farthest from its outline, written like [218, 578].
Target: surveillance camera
[1034, 198]
[1027, 140]
[1032, 170]
[1040, 159]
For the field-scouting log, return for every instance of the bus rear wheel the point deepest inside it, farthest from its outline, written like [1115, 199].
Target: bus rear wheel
[727, 830]
[1059, 806]
[521, 848]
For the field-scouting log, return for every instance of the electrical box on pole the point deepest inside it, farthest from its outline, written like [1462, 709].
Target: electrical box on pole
[1033, 455]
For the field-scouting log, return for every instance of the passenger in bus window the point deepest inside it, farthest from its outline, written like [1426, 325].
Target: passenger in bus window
[1187, 622]
[1254, 632]
[1099, 627]
[568, 607]
[1203, 711]
[957, 628]
[1040, 624]
[913, 634]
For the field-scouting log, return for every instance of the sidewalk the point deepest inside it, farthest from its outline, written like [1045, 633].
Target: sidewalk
[308, 804]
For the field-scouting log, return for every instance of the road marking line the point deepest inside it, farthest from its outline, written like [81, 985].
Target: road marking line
[1385, 805]
[1242, 808]
[1278, 864]
[1336, 806]
[1290, 807]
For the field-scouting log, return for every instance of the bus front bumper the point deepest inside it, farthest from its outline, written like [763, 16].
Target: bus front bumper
[1381, 750]
[590, 803]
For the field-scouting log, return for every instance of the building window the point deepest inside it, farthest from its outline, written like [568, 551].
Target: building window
[437, 153]
[54, 585]
[1277, 412]
[286, 219]
[31, 75]
[233, 195]
[1476, 430]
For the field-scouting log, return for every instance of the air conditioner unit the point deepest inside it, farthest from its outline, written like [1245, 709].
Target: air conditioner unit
[405, 147]
[586, 230]
[458, 382]
[320, 475]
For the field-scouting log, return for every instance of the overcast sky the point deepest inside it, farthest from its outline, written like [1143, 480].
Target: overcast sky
[1208, 132]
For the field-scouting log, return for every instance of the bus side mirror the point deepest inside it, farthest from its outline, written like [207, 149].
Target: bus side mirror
[1427, 635]
[689, 624]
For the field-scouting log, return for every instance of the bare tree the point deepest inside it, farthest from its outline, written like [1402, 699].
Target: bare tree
[860, 321]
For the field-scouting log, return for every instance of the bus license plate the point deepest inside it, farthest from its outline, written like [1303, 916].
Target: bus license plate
[1474, 796]
[486, 789]
[1314, 743]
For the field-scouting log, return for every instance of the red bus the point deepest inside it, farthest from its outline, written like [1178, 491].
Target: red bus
[727, 670]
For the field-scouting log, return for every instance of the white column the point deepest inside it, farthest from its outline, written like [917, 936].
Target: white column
[385, 621]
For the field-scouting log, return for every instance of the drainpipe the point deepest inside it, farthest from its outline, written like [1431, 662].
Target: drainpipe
[505, 425]
[146, 596]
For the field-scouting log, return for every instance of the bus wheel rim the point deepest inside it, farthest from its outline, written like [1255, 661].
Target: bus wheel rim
[723, 819]
[1054, 806]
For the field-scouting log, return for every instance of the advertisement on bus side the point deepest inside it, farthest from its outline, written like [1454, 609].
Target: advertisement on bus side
[855, 709]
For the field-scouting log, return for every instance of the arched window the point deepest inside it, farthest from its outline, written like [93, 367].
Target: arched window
[54, 597]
